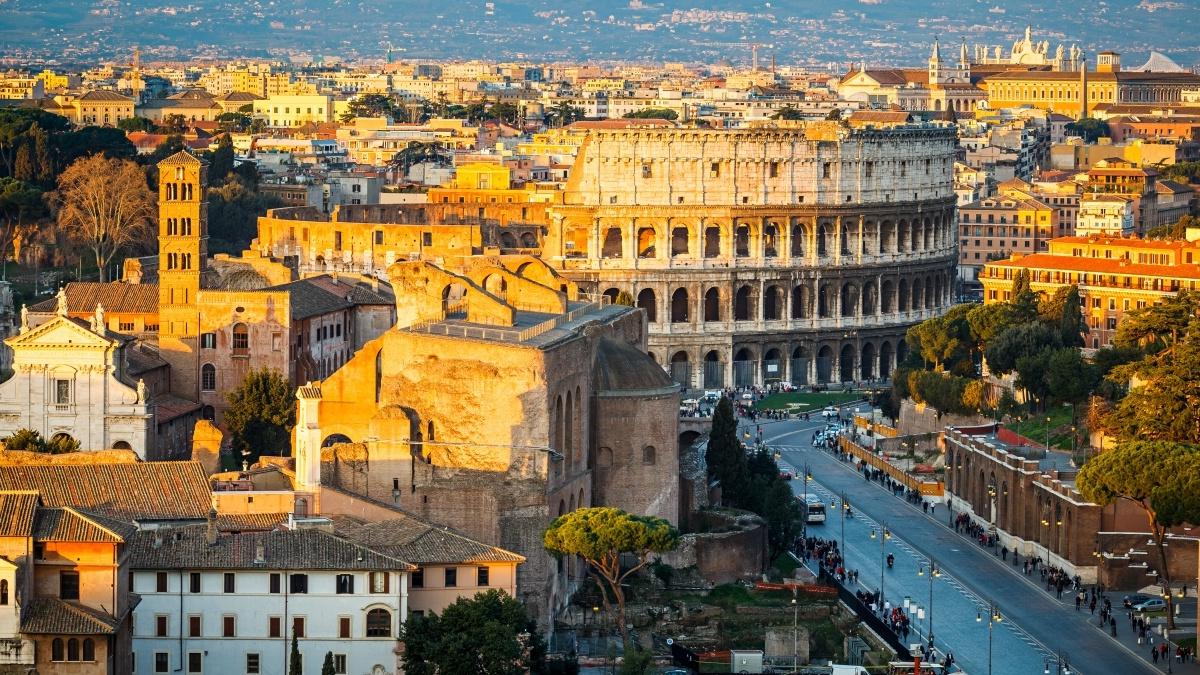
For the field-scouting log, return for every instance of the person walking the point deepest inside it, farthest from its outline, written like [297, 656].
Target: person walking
[1078, 602]
[1112, 622]
[1154, 654]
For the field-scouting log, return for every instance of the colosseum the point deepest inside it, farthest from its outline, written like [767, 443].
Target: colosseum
[798, 252]
[792, 251]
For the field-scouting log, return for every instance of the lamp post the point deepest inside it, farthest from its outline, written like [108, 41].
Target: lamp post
[993, 619]
[933, 572]
[804, 526]
[795, 632]
[883, 537]
[1062, 664]
[1047, 435]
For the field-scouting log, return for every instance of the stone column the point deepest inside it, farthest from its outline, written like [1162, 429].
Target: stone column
[837, 240]
[862, 244]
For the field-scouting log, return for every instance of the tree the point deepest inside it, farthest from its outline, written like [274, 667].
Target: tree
[506, 112]
[105, 206]
[135, 124]
[772, 498]
[60, 444]
[220, 163]
[261, 414]
[295, 666]
[233, 121]
[19, 202]
[15, 127]
[328, 668]
[562, 114]
[489, 634]
[1089, 129]
[370, 105]
[233, 210]
[24, 168]
[944, 341]
[1176, 230]
[1017, 341]
[624, 298]
[174, 123]
[24, 440]
[1024, 300]
[725, 456]
[1159, 477]
[652, 114]
[1069, 378]
[1064, 311]
[110, 142]
[788, 112]
[602, 536]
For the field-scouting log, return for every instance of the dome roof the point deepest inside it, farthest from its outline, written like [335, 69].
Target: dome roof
[620, 367]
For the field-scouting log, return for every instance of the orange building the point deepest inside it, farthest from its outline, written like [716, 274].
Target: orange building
[1114, 275]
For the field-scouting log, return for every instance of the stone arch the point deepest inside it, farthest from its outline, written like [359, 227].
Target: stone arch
[679, 306]
[825, 364]
[887, 237]
[649, 455]
[647, 242]
[712, 242]
[613, 244]
[497, 285]
[914, 242]
[885, 359]
[568, 428]
[870, 298]
[902, 235]
[799, 368]
[849, 298]
[801, 301]
[679, 242]
[508, 240]
[902, 296]
[681, 368]
[648, 303]
[335, 439]
[712, 304]
[927, 235]
[772, 365]
[844, 233]
[770, 240]
[741, 241]
[867, 362]
[714, 371]
[870, 241]
[846, 363]
[918, 294]
[611, 294]
[824, 245]
[122, 445]
[743, 304]
[743, 367]
[772, 303]
[528, 240]
[887, 297]
[825, 298]
[799, 240]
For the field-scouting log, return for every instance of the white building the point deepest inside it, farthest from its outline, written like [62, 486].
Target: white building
[1104, 214]
[71, 378]
[230, 603]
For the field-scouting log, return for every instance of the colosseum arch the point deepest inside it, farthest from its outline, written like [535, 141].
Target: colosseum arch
[712, 242]
[902, 296]
[679, 306]
[770, 240]
[743, 304]
[824, 238]
[870, 240]
[611, 294]
[647, 242]
[528, 240]
[712, 304]
[741, 241]
[508, 240]
[846, 363]
[885, 360]
[799, 369]
[902, 237]
[647, 302]
[772, 303]
[772, 366]
[825, 364]
[918, 294]
[743, 367]
[847, 249]
[929, 292]
[887, 237]
[681, 368]
[613, 244]
[679, 241]
[826, 300]
[867, 362]
[849, 299]
[496, 284]
[927, 244]
[915, 237]
[799, 240]
[870, 298]
[801, 301]
[887, 297]
[714, 370]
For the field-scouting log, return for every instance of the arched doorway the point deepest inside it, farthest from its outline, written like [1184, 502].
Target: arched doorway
[335, 439]
[772, 366]
[612, 244]
[646, 302]
[712, 305]
[681, 369]
[800, 360]
[773, 304]
[743, 368]
[824, 365]
[885, 360]
[679, 306]
[846, 364]
[868, 362]
[714, 370]
[743, 304]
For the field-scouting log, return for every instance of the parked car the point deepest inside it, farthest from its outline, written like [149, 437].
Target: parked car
[829, 412]
[1151, 605]
[1136, 599]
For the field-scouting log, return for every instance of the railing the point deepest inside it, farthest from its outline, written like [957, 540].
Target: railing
[582, 261]
[932, 488]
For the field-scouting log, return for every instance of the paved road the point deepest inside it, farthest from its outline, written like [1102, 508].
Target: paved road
[1035, 625]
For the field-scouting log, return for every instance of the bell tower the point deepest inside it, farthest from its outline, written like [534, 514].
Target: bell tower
[182, 256]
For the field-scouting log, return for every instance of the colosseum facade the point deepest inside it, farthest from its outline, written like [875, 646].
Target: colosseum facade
[793, 252]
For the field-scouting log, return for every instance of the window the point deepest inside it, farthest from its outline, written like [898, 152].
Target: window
[56, 650]
[73, 649]
[481, 576]
[194, 626]
[160, 582]
[339, 664]
[379, 623]
[228, 626]
[162, 662]
[274, 626]
[194, 582]
[275, 583]
[451, 577]
[418, 578]
[195, 662]
[89, 649]
[68, 585]
[125, 326]
[826, 170]
[160, 626]
[427, 239]
[344, 627]
[252, 664]
[208, 377]
[345, 583]
[378, 237]
[230, 584]
[379, 582]
[208, 340]
[277, 341]
[298, 626]
[241, 339]
[62, 392]
[298, 583]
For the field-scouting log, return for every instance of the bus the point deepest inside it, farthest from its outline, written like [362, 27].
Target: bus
[815, 511]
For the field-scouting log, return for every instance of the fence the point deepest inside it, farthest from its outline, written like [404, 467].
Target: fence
[927, 488]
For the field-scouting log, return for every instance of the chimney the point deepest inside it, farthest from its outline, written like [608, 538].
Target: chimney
[210, 532]
[259, 555]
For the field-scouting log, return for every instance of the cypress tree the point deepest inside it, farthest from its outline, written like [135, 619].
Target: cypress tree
[726, 458]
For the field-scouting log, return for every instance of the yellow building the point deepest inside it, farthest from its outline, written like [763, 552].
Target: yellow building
[101, 108]
[294, 110]
[1114, 275]
[52, 81]
[19, 87]
[1062, 91]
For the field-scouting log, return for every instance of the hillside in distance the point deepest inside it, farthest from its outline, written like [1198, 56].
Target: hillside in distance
[797, 31]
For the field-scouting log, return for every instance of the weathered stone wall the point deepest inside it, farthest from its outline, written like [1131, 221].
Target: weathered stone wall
[917, 418]
[737, 550]
[637, 454]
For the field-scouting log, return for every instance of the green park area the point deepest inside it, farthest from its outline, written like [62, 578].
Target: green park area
[804, 401]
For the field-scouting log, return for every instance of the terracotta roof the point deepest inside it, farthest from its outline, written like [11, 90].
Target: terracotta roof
[117, 298]
[304, 549]
[621, 124]
[169, 406]
[1168, 186]
[46, 615]
[129, 491]
[421, 543]
[67, 524]
[17, 509]
[104, 95]
[142, 357]
[1132, 242]
[879, 116]
[1066, 263]
[250, 522]
[240, 96]
[355, 290]
[183, 157]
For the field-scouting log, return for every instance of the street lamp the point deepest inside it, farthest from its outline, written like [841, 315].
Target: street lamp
[1047, 436]
[933, 572]
[993, 619]
[795, 632]
[886, 534]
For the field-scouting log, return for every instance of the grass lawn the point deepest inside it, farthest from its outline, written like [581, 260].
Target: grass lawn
[1034, 427]
[803, 401]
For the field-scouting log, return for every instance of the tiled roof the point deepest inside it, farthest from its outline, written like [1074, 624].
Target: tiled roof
[240, 96]
[17, 508]
[1066, 263]
[142, 357]
[305, 549]
[420, 543]
[117, 298]
[250, 522]
[129, 491]
[67, 524]
[183, 157]
[104, 95]
[169, 406]
[47, 615]
[308, 300]
[355, 290]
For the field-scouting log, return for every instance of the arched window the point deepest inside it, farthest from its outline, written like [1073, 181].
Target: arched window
[604, 458]
[208, 377]
[73, 649]
[4, 592]
[56, 650]
[712, 305]
[241, 339]
[648, 455]
[379, 623]
[679, 306]
[89, 649]
[646, 301]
